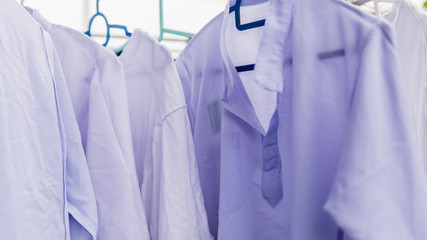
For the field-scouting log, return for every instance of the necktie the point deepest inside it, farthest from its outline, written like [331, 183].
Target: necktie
[271, 182]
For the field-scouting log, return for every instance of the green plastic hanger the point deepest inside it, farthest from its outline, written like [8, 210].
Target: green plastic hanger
[163, 30]
[171, 31]
[119, 50]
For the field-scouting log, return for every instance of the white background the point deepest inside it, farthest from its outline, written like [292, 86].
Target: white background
[183, 15]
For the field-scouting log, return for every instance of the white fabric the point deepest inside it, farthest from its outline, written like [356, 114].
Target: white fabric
[81, 203]
[32, 140]
[410, 23]
[164, 150]
[98, 92]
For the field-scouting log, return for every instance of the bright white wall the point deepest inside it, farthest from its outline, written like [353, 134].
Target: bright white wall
[68, 13]
[188, 15]
[183, 15]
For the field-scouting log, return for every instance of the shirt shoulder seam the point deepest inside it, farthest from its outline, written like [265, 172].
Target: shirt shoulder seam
[172, 112]
[377, 26]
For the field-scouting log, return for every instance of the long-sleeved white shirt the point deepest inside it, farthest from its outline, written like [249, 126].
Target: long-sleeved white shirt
[33, 146]
[97, 88]
[163, 144]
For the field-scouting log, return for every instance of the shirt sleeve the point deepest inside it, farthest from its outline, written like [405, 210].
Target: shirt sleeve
[110, 157]
[380, 188]
[182, 213]
[81, 202]
[186, 82]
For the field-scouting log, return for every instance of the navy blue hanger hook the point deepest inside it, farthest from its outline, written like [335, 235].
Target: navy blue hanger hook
[246, 26]
[109, 26]
[243, 27]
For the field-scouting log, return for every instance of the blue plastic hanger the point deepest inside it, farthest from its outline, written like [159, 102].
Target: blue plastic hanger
[340, 235]
[109, 26]
[243, 27]
[246, 26]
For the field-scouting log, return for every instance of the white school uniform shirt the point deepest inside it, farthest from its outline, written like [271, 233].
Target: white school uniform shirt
[410, 23]
[163, 144]
[340, 154]
[97, 88]
[33, 147]
[80, 194]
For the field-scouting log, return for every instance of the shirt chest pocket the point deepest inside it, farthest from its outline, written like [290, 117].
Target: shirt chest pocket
[331, 81]
[232, 181]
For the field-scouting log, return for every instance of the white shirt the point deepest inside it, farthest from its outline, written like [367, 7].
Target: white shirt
[33, 202]
[163, 144]
[98, 92]
[410, 23]
[343, 142]
[80, 194]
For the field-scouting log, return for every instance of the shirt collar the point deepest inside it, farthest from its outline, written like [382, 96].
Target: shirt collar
[272, 50]
[41, 20]
[271, 54]
[131, 48]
